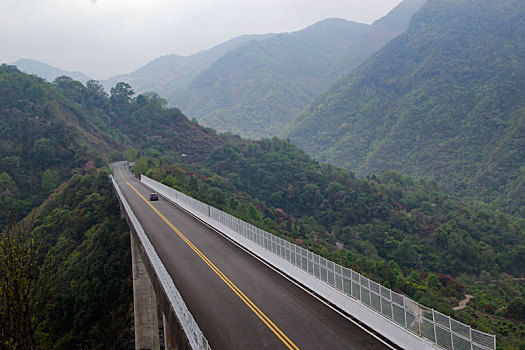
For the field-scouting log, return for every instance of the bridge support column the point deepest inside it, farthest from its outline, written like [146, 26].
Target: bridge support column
[144, 304]
[169, 341]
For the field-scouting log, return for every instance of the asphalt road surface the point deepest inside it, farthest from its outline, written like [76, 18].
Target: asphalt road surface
[237, 301]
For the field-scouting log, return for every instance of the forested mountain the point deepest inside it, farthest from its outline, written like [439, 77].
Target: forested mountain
[42, 138]
[71, 253]
[380, 32]
[258, 88]
[171, 75]
[46, 71]
[445, 99]
[49, 131]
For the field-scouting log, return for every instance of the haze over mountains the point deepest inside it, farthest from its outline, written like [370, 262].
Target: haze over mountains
[258, 88]
[47, 71]
[254, 85]
[171, 75]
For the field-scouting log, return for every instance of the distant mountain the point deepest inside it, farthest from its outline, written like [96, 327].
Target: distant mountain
[381, 31]
[46, 71]
[445, 99]
[170, 75]
[258, 88]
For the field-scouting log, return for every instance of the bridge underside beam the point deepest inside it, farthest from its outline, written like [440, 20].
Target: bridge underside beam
[169, 341]
[144, 304]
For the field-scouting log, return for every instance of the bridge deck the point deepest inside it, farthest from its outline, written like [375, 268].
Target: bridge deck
[237, 301]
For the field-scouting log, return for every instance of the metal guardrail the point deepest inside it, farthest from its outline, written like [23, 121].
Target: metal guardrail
[191, 329]
[437, 329]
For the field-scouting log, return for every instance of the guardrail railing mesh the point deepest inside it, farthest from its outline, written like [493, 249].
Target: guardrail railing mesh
[436, 327]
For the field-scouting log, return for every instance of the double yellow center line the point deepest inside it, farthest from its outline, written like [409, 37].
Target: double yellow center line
[287, 342]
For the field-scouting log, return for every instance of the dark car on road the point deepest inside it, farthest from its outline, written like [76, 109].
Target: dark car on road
[153, 197]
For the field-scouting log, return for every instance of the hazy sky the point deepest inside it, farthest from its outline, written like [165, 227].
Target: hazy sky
[106, 37]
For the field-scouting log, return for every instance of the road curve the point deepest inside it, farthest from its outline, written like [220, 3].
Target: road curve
[237, 301]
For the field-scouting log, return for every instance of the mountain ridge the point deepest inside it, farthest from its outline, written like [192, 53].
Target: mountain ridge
[169, 74]
[257, 89]
[47, 71]
[438, 100]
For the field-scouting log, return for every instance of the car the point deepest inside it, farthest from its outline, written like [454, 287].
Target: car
[153, 197]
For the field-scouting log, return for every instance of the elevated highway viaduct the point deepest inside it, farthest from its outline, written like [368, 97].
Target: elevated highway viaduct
[238, 301]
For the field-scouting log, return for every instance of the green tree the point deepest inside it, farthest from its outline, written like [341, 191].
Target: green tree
[150, 97]
[432, 280]
[70, 87]
[406, 253]
[48, 181]
[96, 94]
[141, 166]
[516, 309]
[96, 88]
[233, 203]
[6, 183]
[121, 93]
[24, 289]
[253, 213]
[131, 154]
[43, 152]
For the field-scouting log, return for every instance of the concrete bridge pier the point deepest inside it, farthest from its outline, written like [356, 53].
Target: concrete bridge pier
[144, 304]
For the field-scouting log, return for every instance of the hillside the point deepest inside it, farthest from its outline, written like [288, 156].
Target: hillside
[56, 140]
[257, 89]
[403, 233]
[46, 71]
[50, 131]
[444, 99]
[381, 32]
[82, 297]
[42, 138]
[171, 75]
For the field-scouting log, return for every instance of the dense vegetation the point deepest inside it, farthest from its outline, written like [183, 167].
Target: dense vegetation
[444, 100]
[82, 295]
[402, 232]
[50, 131]
[42, 139]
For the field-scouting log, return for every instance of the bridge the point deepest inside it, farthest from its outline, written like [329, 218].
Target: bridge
[221, 283]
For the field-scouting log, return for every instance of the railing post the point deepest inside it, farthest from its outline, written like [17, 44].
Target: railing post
[420, 313]
[434, 325]
[451, 335]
